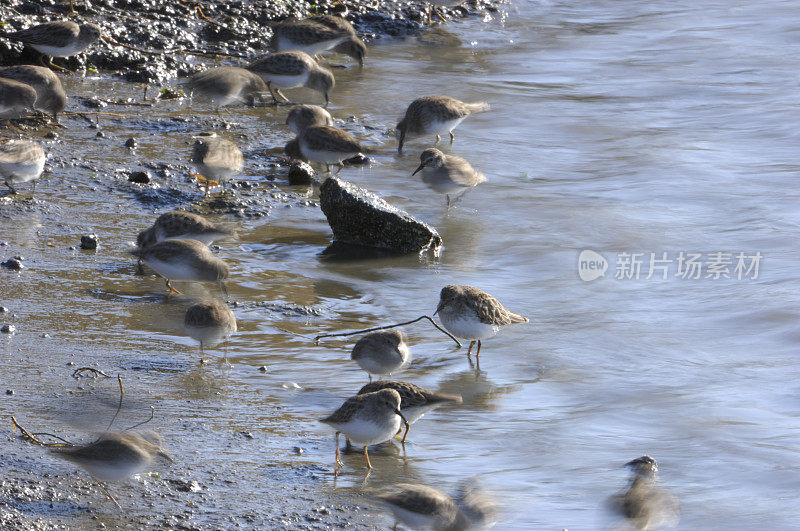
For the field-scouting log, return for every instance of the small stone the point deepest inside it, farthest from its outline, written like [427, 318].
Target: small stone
[45, 336]
[70, 363]
[19, 257]
[13, 263]
[10, 392]
[130, 143]
[89, 241]
[247, 435]
[298, 451]
[3, 309]
[8, 329]
[357, 160]
[100, 134]
[141, 177]
[263, 368]
[52, 135]
[300, 173]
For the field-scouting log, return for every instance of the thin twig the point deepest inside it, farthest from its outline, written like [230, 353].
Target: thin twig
[84, 114]
[77, 373]
[32, 436]
[119, 406]
[152, 414]
[445, 332]
[54, 437]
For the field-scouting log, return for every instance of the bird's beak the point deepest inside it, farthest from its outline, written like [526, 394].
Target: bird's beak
[439, 308]
[402, 139]
[402, 417]
[418, 169]
[166, 455]
[327, 100]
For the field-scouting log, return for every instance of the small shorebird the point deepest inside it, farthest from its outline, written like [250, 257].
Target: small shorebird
[225, 85]
[353, 47]
[422, 507]
[324, 144]
[116, 456]
[216, 158]
[367, 419]
[435, 115]
[645, 505]
[16, 100]
[473, 314]
[303, 116]
[285, 70]
[447, 174]
[21, 161]
[381, 352]
[210, 322]
[185, 225]
[414, 400]
[50, 95]
[62, 38]
[181, 259]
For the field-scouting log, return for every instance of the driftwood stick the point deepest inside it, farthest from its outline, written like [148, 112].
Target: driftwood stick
[152, 414]
[341, 334]
[77, 373]
[119, 406]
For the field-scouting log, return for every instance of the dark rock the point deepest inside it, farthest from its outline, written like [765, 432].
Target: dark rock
[13, 263]
[141, 177]
[8, 329]
[100, 134]
[130, 143]
[300, 173]
[360, 217]
[3, 309]
[10, 392]
[357, 160]
[263, 368]
[51, 135]
[89, 241]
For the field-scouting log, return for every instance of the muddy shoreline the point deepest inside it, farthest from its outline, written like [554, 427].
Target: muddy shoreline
[251, 470]
[176, 38]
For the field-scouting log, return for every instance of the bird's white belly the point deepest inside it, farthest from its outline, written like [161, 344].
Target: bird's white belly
[412, 519]
[442, 127]
[325, 156]
[413, 414]
[21, 173]
[209, 336]
[364, 432]
[285, 44]
[467, 327]
[218, 173]
[113, 472]
[440, 182]
[285, 81]
[373, 366]
[172, 271]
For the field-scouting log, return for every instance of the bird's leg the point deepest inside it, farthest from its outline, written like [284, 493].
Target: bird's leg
[110, 497]
[478, 353]
[34, 187]
[202, 355]
[437, 138]
[469, 350]
[408, 427]
[51, 64]
[171, 289]
[370, 377]
[439, 15]
[448, 201]
[278, 92]
[274, 98]
[13, 127]
[327, 168]
[430, 8]
[452, 137]
[339, 168]
[338, 455]
[13, 190]
[366, 457]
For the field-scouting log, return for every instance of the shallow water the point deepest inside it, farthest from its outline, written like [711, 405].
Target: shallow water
[616, 127]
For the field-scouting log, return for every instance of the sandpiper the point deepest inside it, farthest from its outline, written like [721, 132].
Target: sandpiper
[354, 47]
[303, 116]
[285, 70]
[473, 314]
[478, 506]
[216, 158]
[422, 507]
[50, 95]
[210, 322]
[645, 505]
[367, 419]
[180, 224]
[225, 85]
[447, 174]
[21, 161]
[116, 456]
[435, 115]
[16, 99]
[57, 39]
[324, 144]
[316, 36]
[182, 259]
[381, 352]
[414, 400]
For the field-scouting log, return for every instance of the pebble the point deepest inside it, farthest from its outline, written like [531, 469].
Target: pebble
[3, 309]
[300, 173]
[130, 143]
[8, 329]
[298, 451]
[10, 392]
[13, 264]
[89, 241]
[141, 177]
[263, 368]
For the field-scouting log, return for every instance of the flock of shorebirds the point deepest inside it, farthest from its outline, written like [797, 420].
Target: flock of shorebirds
[176, 246]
